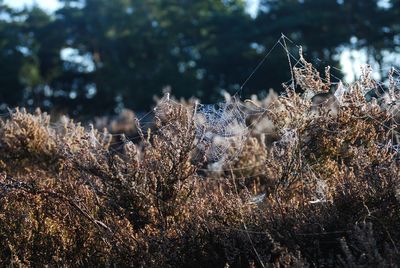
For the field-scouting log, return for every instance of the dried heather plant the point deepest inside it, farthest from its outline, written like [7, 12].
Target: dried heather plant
[309, 187]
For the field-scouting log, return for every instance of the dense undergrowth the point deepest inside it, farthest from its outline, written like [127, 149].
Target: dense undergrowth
[313, 185]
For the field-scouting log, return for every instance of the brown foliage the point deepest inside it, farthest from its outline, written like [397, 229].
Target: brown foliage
[309, 188]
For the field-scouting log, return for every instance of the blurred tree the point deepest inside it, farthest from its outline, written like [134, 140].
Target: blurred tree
[92, 56]
[140, 47]
[12, 58]
[42, 42]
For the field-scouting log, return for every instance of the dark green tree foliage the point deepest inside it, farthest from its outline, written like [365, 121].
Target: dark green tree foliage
[140, 47]
[123, 52]
[12, 59]
[43, 42]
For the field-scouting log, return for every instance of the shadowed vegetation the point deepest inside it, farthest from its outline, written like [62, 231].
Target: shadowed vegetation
[310, 187]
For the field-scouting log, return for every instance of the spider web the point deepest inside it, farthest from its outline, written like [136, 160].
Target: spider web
[220, 130]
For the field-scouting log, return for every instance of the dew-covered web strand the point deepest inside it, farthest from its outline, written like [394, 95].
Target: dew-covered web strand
[298, 61]
[283, 38]
[244, 222]
[220, 127]
[258, 66]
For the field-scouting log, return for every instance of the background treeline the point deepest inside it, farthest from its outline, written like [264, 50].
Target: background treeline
[95, 56]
